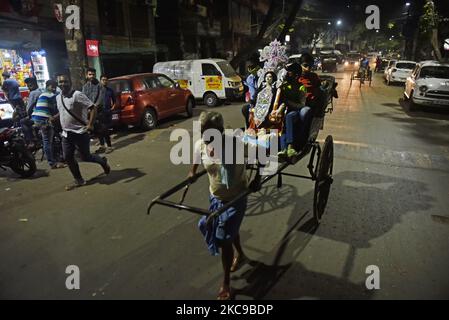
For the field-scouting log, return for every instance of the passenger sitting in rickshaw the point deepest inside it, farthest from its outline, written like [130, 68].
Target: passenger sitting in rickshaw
[363, 69]
[297, 116]
[311, 81]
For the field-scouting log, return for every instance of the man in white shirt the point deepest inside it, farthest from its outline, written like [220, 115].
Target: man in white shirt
[77, 115]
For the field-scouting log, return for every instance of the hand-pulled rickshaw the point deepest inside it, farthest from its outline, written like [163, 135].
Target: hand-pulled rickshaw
[362, 75]
[320, 167]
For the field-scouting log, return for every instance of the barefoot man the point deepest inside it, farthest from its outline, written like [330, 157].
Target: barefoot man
[227, 182]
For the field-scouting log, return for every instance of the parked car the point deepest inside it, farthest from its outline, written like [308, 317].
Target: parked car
[390, 64]
[210, 80]
[352, 61]
[428, 85]
[144, 99]
[399, 71]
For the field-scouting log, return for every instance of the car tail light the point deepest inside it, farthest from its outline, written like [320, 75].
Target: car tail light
[129, 101]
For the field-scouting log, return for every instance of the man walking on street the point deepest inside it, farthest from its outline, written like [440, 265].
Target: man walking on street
[104, 117]
[77, 114]
[44, 113]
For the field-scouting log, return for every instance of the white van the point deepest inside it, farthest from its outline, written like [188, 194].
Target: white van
[208, 79]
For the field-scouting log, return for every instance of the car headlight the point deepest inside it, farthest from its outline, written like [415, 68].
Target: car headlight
[356, 63]
[423, 88]
[346, 63]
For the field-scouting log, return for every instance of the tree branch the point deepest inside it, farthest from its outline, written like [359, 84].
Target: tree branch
[290, 19]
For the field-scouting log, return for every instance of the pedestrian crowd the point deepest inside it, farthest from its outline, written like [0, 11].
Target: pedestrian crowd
[58, 110]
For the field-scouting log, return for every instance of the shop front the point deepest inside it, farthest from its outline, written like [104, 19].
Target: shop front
[21, 64]
[21, 52]
[18, 66]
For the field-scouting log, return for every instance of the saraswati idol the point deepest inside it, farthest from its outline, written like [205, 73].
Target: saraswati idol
[263, 117]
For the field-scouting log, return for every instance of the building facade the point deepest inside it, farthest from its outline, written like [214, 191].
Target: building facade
[194, 29]
[32, 30]
[125, 32]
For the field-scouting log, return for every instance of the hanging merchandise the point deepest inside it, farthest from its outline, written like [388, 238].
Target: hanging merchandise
[19, 68]
[40, 68]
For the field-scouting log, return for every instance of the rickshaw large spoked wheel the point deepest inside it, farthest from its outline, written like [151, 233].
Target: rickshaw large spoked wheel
[324, 179]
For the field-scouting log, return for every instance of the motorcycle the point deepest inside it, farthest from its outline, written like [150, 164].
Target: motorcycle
[14, 154]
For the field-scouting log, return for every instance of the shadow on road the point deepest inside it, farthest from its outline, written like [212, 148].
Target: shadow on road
[175, 263]
[128, 141]
[362, 206]
[12, 176]
[125, 175]
[425, 112]
[422, 125]
[270, 198]
[174, 120]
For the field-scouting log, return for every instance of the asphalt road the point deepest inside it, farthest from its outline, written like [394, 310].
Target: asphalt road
[388, 207]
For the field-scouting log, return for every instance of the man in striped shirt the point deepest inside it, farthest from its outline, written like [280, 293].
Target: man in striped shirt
[42, 116]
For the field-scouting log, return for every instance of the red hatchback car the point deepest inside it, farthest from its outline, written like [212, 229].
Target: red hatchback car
[144, 99]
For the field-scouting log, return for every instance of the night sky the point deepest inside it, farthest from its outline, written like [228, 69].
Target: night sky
[353, 11]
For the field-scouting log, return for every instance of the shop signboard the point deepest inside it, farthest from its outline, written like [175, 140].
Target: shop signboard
[92, 48]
